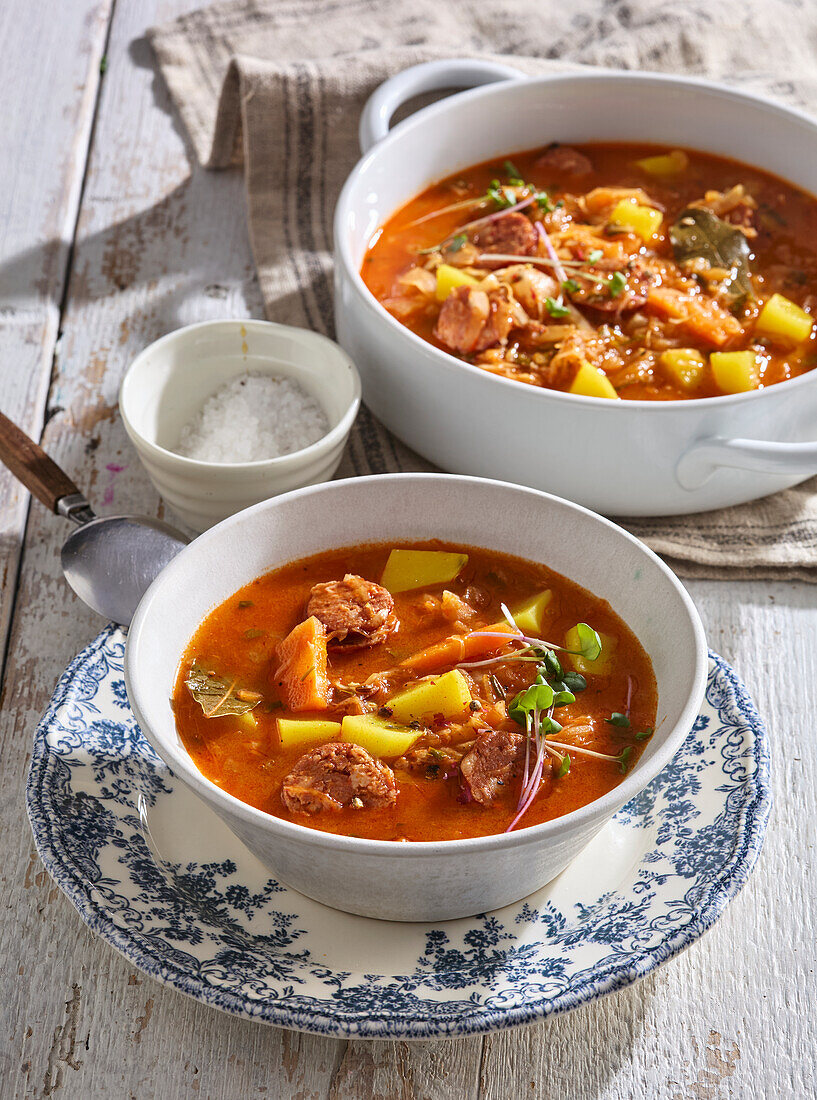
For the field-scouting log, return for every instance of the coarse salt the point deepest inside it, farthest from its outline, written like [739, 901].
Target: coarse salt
[253, 417]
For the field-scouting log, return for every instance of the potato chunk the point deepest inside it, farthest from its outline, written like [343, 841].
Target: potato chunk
[603, 664]
[447, 695]
[530, 616]
[683, 366]
[297, 731]
[407, 569]
[379, 736]
[590, 382]
[644, 221]
[665, 165]
[784, 322]
[735, 371]
[448, 278]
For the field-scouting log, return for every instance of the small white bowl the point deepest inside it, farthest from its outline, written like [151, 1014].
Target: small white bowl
[427, 880]
[168, 382]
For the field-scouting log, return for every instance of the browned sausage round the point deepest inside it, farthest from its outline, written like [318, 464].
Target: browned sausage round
[356, 613]
[563, 158]
[337, 775]
[492, 762]
[462, 319]
[512, 233]
[633, 296]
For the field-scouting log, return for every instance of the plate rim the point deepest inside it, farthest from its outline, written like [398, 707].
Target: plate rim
[750, 830]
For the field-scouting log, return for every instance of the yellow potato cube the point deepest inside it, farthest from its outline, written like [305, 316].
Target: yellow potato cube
[683, 366]
[590, 382]
[379, 736]
[644, 221]
[530, 616]
[247, 721]
[447, 695]
[666, 164]
[449, 277]
[783, 321]
[603, 664]
[735, 371]
[407, 569]
[297, 731]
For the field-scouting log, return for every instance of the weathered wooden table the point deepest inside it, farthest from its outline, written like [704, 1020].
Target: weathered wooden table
[109, 237]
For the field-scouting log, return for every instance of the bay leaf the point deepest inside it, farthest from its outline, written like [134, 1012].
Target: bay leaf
[699, 234]
[216, 695]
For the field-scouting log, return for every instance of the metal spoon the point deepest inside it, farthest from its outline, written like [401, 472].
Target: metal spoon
[109, 561]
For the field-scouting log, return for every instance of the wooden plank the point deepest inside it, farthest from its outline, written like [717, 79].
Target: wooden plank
[50, 77]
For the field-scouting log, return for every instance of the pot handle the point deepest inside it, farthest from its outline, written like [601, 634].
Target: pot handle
[760, 456]
[431, 76]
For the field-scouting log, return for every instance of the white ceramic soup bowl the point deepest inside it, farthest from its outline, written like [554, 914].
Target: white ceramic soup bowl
[618, 457]
[423, 881]
[169, 381]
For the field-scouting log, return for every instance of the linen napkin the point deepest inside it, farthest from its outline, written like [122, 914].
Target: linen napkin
[279, 85]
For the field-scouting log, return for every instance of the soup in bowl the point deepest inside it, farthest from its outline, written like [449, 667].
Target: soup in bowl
[416, 729]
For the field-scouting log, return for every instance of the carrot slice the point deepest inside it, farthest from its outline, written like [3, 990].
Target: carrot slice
[698, 315]
[301, 674]
[460, 647]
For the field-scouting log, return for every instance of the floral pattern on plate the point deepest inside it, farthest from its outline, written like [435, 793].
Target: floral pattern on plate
[161, 878]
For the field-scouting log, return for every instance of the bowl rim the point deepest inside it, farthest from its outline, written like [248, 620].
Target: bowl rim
[334, 437]
[181, 763]
[427, 115]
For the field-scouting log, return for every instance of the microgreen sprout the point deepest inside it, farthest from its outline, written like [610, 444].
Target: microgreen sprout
[617, 284]
[512, 172]
[502, 196]
[617, 719]
[594, 256]
[564, 767]
[556, 307]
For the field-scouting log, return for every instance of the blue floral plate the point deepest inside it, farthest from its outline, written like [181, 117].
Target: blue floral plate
[159, 876]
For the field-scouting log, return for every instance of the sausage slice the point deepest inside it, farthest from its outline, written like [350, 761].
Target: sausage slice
[333, 776]
[356, 613]
[491, 763]
[564, 158]
[512, 233]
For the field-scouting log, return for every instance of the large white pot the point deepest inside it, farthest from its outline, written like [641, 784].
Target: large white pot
[620, 458]
[418, 881]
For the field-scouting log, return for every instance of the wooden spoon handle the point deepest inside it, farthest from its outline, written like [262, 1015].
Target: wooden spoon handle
[30, 464]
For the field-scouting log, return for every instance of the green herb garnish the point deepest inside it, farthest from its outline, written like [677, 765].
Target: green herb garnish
[512, 172]
[543, 201]
[456, 243]
[589, 642]
[556, 307]
[498, 194]
[624, 759]
[574, 681]
[617, 284]
[644, 735]
[564, 767]
[618, 719]
[595, 255]
[570, 285]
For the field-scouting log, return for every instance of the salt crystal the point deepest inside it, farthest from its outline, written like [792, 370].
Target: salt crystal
[251, 418]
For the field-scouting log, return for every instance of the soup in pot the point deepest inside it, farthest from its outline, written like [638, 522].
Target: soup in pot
[609, 270]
